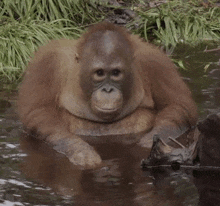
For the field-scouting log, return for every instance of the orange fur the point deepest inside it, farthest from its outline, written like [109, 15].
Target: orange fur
[51, 101]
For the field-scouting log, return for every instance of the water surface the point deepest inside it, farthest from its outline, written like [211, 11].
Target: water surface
[34, 174]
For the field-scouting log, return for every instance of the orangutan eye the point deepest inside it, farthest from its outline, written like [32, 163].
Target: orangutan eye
[100, 72]
[116, 72]
[117, 75]
[99, 75]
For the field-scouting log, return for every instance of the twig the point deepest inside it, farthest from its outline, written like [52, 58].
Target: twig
[176, 142]
[200, 168]
[211, 50]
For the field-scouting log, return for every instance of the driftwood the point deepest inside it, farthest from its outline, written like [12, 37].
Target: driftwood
[202, 155]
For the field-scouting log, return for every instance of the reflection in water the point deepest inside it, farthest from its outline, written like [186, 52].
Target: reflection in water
[177, 186]
[119, 182]
[49, 167]
[112, 184]
[208, 184]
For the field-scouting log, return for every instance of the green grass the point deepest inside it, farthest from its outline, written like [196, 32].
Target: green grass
[26, 24]
[78, 11]
[178, 21]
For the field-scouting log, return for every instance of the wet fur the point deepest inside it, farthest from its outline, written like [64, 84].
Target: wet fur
[53, 73]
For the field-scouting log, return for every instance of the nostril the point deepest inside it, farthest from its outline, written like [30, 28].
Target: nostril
[110, 90]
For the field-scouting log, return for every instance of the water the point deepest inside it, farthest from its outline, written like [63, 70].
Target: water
[34, 174]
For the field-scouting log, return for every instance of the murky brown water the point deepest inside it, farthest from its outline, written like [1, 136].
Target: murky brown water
[33, 174]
